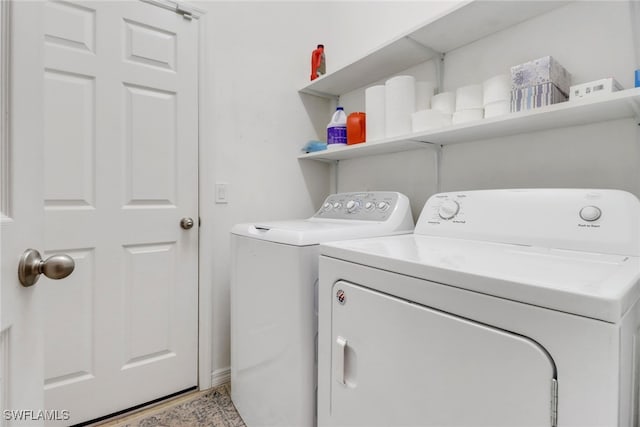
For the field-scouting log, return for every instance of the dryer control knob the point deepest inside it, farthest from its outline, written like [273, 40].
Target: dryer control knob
[337, 205]
[369, 206]
[590, 213]
[448, 209]
[327, 207]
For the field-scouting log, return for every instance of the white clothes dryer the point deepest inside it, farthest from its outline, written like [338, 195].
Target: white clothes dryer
[274, 278]
[504, 308]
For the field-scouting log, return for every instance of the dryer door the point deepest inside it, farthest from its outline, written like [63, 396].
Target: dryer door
[398, 363]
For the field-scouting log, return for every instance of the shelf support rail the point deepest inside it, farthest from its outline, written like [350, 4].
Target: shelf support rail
[440, 73]
[438, 167]
[333, 182]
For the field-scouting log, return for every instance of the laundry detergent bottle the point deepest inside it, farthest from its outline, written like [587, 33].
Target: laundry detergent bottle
[337, 129]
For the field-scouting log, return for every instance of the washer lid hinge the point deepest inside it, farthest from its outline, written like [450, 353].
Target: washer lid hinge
[554, 402]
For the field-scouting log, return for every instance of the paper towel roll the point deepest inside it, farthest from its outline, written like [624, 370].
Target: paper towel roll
[469, 97]
[469, 115]
[445, 102]
[424, 93]
[429, 119]
[497, 108]
[400, 103]
[374, 108]
[497, 88]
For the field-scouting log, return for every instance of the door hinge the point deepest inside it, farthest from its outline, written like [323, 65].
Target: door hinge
[554, 402]
[185, 11]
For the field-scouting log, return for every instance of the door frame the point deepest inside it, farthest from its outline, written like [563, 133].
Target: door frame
[5, 66]
[205, 186]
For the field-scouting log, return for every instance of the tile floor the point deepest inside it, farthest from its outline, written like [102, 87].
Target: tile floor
[209, 408]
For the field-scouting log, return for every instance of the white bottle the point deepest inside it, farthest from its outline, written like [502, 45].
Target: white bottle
[337, 129]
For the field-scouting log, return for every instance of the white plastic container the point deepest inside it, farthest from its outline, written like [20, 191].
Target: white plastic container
[400, 103]
[337, 129]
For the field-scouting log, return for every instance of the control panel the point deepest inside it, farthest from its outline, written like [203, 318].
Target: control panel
[366, 206]
[450, 207]
[604, 221]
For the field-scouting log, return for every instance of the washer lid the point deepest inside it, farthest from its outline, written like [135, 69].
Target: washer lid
[307, 232]
[599, 286]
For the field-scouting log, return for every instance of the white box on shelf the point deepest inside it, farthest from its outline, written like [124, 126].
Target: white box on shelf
[594, 88]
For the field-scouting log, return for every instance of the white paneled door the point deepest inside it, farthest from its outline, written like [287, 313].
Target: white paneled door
[120, 173]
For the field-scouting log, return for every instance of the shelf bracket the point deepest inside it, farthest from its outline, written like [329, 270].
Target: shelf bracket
[432, 52]
[438, 60]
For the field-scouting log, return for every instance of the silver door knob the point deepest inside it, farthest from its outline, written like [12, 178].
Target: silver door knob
[31, 266]
[186, 223]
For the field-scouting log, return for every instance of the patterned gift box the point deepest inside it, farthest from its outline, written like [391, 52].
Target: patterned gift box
[536, 96]
[540, 71]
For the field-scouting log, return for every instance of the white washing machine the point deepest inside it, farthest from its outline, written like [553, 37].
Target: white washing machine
[274, 278]
[504, 308]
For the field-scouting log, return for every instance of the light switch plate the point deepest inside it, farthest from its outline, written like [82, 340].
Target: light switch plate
[222, 192]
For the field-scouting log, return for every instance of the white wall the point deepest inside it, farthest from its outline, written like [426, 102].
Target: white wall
[258, 55]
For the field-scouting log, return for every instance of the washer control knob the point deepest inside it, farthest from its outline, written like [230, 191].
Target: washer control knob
[352, 206]
[327, 207]
[383, 206]
[369, 206]
[590, 213]
[448, 209]
[337, 205]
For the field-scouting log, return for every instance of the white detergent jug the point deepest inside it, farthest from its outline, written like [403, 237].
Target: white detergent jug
[337, 129]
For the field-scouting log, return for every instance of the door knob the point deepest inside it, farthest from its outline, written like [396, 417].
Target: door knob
[186, 223]
[31, 266]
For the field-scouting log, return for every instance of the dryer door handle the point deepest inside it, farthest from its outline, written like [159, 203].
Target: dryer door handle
[339, 356]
